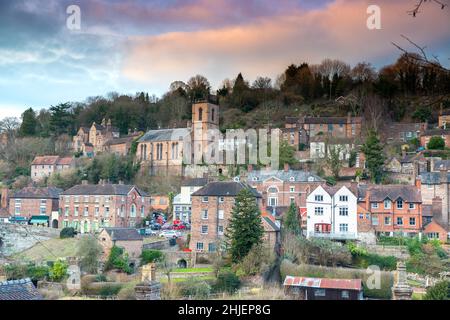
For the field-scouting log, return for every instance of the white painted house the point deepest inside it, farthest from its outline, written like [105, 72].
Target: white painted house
[182, 202]
[331, 213]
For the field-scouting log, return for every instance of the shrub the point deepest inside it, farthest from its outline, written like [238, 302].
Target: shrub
[440, 291]
[227, 281]
[149, 256]
[37, 273]
[58, 271]
[127, 292]
[436, 143]
[110, 289]
[195, 289]
[118, 260]
[257, 261]
[67, 233]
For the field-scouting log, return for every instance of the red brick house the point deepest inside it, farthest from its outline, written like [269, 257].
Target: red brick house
[45, 166]
[87, 208]
[31, 201]
[212, 207]
[389, 209]
[427, 135]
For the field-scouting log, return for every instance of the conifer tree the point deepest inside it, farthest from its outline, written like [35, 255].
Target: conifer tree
[245, 227]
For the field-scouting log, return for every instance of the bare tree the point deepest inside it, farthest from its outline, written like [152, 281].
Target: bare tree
[363, 72]
[329, 68]
[374, 108]
[420, 3]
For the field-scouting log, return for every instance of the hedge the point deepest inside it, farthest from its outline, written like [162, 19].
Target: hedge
[304, 270]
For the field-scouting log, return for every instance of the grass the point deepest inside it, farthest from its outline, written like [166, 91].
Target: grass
[193, 270]
[417, 296]
[49, 250]
[178, 280]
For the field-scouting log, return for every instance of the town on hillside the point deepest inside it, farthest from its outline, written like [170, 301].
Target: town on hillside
[329, 182]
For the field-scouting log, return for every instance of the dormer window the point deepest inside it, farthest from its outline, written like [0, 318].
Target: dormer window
[255, 178]
[310, 179]
[292, 179]
[318, 197]
[399, 204]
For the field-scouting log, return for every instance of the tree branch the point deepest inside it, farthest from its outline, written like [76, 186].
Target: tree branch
[416, 9]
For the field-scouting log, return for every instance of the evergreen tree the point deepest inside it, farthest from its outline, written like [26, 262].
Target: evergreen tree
[245, 227]
[287, 154]
[440, 291]
[29, 123]
[292, 221]
[373, 151]
[61, 119]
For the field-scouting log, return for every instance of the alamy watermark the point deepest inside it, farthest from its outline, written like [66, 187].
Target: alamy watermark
[73, 21]
[374, 20]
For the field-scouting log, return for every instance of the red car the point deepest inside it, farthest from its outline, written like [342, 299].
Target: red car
[179, 227]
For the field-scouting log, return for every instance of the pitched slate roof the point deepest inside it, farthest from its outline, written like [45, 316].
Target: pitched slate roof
[101, 189]
[225, 189]
[297, 175]
[331, 120]
[52, 160]
[344, 284]
[408, 193]
[165, 135]
[432, 177]
[38, 193]
[194, 182]
[22, 289]
[124, 234]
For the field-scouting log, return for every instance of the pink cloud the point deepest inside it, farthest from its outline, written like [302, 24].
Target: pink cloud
[265, 46]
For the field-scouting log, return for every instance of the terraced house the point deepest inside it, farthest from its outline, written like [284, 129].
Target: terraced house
[390, 209]
[34, 204]
[88, 208]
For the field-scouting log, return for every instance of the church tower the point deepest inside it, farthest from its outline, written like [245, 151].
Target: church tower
[205, 116]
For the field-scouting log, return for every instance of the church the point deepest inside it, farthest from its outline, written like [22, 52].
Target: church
[181, 151]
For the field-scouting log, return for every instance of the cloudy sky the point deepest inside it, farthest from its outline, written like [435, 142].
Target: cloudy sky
[130, 46]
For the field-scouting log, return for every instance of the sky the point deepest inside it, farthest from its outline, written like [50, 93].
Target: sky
[132, 46]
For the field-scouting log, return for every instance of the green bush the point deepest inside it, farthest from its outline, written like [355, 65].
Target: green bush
[58, 271]
[384, 263]
[436, 143]
[67, 233]
[110, 289]
[304, 270]
[195, 289]
[118, 260]
[440, 291]
[149, 256]
[227, 281]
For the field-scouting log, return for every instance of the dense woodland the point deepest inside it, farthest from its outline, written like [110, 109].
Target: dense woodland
[410, 89]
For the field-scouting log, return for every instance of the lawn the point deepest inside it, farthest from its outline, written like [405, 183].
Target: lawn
[49, 250]
[163, 279]
[193, 270]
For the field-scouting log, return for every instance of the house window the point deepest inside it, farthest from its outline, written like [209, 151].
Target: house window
[200, 114]
[412, 206]
[387, 221]
[318, 198]
[106, 211]
[367, 216]
[318, 211]
[122, 211]
[205, 199]
[204, 214]
[374, 205]
[387, 204]
[345, 294]
[292, 189]
[199, 245]
[343, 211]
[399, 204]
[221, 199]
[343, 198]
[361, 216]
[76, 211]
[412, 221]
[43, 207]
[66, 211]
[273, 201]
[220, 230]
[292, 200]
[374, 220]
[142, 212]
[133, 211]
[272, 190]
[433, 235]
[399, 221]
[204, 230]
[212, 247]
[319, 292]
[86, 211]
[17, 206]
[97, 211]
[343, 227]
[221, 214]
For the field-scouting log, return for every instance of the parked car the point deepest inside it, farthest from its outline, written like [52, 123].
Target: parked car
[150, 232]
[166, 226]
[169, 234]
[155, 226]
[179, 227]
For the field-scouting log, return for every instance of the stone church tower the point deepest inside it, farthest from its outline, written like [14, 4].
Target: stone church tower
[205, 116]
